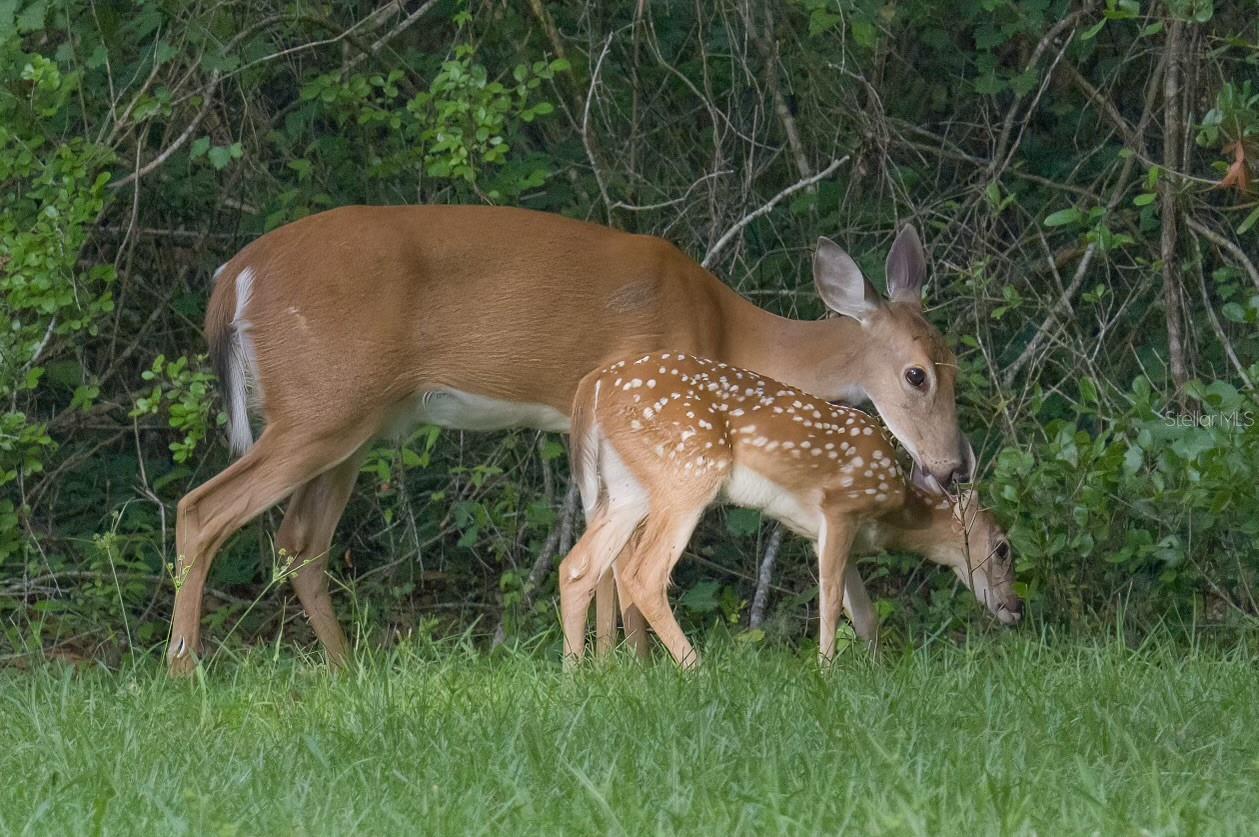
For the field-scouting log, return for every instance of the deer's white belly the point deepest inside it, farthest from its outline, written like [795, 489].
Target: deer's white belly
[467, 411]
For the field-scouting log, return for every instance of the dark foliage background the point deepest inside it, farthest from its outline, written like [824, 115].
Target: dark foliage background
[1080, 171]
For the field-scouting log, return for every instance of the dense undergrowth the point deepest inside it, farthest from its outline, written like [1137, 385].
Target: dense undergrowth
[1081, 173]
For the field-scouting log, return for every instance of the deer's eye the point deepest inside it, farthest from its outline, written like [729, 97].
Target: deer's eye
[1003, 551]
[916, 376]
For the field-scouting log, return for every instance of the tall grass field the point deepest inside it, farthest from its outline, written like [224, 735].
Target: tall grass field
[1013, 734]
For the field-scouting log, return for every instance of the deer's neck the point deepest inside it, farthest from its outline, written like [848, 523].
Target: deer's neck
[825, 358]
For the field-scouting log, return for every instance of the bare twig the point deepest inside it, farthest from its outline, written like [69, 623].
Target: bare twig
[400, 27]
[769, 55]
[1000, 158]
[183, 137]
[764, 577]
[1062, 306]
[1220, 335]
[1227, 244]
[767, 207]
[585, 124]
[31, 586]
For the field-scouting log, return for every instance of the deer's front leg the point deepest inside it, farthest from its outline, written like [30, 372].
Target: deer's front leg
[834, 544]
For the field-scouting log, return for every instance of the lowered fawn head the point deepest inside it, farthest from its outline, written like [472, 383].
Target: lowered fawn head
[907, 370]
[965, 537]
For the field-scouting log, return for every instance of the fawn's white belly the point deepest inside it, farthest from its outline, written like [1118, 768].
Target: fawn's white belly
[748, 488]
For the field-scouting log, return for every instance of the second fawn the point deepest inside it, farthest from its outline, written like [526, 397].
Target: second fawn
[659, 438]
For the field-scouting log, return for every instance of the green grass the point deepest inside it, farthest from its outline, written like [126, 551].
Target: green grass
[1009, 735]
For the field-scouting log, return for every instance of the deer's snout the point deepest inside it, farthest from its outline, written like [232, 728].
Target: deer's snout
[949, 474]
[1010, 611]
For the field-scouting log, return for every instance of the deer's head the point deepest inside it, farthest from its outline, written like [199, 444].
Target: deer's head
[903, 365]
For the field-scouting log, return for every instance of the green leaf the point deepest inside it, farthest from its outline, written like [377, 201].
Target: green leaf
[989, 84]
[1088, 390]
[32, 17]
[821, 21]
[1248, 221]
[993, 193]
[1144, 199]
[702, 598]
[220, 156]
[552, 449]
[1091, 33]
[1133, 457]
[864, 33]
[743, 521]
[1063, 217]
[1024, 83]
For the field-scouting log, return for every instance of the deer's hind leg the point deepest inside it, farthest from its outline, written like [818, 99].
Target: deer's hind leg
[306, 536]
[282, 460]
[632, 618]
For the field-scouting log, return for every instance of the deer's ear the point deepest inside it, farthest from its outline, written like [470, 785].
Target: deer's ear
[969, 462]
[906, 266]
[840, 284]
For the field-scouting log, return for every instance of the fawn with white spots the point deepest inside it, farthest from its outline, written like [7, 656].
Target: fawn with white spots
[659, 438]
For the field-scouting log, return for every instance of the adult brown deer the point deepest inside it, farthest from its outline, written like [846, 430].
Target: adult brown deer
[658, 439]
[358, 322]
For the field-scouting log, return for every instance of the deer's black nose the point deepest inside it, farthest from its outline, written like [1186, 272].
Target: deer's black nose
[1014, 606]
[950, 475]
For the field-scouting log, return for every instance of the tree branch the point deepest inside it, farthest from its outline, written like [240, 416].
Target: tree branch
[1227, 244]
[768, 206]
[763, 578]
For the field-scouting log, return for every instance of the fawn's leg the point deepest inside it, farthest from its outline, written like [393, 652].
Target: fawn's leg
[646, 575]
[611, 592]
[584, 567]
[632, 618]
[605, 614]
[834, 544]
[860, 609]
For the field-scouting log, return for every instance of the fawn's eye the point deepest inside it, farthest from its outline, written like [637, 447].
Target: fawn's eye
[1003, 551]
[916, 376]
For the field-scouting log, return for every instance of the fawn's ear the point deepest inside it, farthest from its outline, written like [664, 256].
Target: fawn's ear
[840, 284]
[906, 266]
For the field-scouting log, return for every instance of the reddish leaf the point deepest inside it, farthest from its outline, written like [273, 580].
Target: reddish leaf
[1238, 174]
